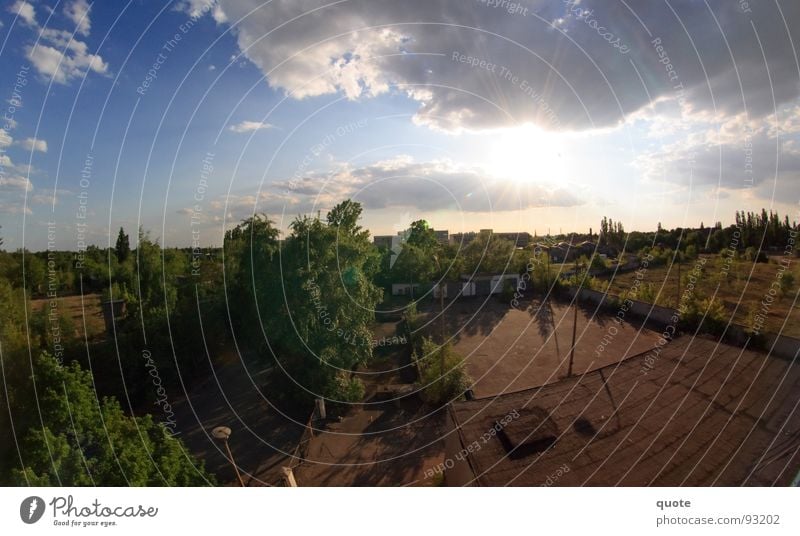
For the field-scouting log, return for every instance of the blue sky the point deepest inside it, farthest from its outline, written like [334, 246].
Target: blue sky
[472, 114]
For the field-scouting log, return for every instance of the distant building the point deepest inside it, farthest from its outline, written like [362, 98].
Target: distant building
[453, 289]
[443, 237]
[462, 239]
[520, 240]
[489, 284]
[404, 289]
[383, 241]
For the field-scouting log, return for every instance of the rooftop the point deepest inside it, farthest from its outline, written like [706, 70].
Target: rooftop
[705, 414]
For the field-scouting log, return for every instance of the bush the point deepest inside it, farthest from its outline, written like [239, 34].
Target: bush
[709, 314]
[440, 385]
[752, 254]
[598, 263]
[350, 389]
[508, 291]
[410, 316]
[786, 282]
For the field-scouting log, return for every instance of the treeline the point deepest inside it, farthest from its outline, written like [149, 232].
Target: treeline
[304, 305]
[761, 232]
[66, 425]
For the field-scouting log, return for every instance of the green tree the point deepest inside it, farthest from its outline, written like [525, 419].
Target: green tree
[251, 271]
[82, 440]
[35, 273]
[321, 321]
[488, 253]
[123, 249]
[419, 259]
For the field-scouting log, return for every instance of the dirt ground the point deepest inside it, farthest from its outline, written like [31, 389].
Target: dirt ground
[389, 440]
[79, 309]
[263, 435]
[508, 349]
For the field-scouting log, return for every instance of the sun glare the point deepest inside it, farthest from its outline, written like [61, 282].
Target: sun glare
[527, 154]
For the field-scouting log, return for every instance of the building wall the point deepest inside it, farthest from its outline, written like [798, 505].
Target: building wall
[457, 471]
[404, 289]
[383, 241]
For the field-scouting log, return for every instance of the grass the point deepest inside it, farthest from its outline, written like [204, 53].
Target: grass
[736, 286]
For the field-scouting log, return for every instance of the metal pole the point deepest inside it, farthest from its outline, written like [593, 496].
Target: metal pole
[574, 322]
[230, 457]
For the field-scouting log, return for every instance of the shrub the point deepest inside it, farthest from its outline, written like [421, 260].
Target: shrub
[752, 254]
[439, 384]
[786, 282]
[707, 313]
[350, 389]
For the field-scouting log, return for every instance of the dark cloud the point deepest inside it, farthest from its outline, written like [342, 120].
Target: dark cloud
[569, 68]
[425, 186]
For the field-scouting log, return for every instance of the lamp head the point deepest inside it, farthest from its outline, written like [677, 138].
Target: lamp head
[221, 432]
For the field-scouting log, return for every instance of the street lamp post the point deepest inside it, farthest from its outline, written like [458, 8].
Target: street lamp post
[442, 285]
[223, 433]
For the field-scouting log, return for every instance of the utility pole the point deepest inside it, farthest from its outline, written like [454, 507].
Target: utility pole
[574, 322]
[677, 303]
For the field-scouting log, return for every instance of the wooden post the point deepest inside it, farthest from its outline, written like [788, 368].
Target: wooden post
[321, 409]
[288, 477]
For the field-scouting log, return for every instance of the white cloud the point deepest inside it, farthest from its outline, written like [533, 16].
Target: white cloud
[198, 8]
[58, 54]
[760, 158]
[64, 65]
[47, 196]
[249, 126]
[25, 11]
[218, 15]
[78, 12]
[33, 144]
[7, 165]
[15, 182]
[5, 138]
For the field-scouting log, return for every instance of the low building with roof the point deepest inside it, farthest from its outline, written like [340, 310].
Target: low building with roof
[696, 413]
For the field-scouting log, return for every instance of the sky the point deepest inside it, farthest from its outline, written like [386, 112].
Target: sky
[184, 117]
